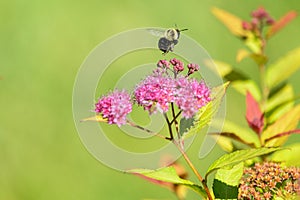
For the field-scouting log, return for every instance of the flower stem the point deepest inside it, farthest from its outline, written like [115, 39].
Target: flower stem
[262, 69]
[264, 88]
[169, 127]
[175, 120]
[176, 116]
[203, 181]
[144, 129]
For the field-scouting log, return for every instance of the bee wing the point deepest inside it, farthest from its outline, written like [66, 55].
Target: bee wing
[156, 32]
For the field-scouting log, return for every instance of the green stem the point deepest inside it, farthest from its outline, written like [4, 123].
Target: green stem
[262, 69]
[203, 181]
[264, 88]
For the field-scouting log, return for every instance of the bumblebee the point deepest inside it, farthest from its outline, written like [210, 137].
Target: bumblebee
[168, 38]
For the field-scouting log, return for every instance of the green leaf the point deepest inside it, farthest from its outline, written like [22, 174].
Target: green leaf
[168, 174]
[232, 22]
[290, 155]
[281, 101]
[228, 160]
[283, 68]
[278, 198]
[185, 124]
[282, 95]
[224, 142]
[235, 75]
[226, 71]
[279, 112]
[287, 122]
[222, 67]
[96, 118]
[224, 191]
[253, 43]
[207, 112]
[243, 86]
[238, 80]
[242, 54]
[258, 58]
[231, 176]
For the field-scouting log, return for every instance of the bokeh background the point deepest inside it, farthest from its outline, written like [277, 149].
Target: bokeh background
[42, 45]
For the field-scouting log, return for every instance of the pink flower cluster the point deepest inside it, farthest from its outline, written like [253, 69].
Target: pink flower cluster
[114, 107]
[155, 93]
[158, 90]
[260, 17]
[190, 95]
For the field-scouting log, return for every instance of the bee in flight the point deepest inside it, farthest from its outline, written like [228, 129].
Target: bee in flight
[168, 38]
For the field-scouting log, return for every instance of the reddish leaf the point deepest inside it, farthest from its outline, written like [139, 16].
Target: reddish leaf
[234, 137]
[285, 123]
[297, 131]
[282, 22]
[254, 116]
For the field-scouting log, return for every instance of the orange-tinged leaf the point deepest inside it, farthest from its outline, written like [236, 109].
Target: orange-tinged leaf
[287, 122]
[96, 118]
[232, 22]
[282, 22]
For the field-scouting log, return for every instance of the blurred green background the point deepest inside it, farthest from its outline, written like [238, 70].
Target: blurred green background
[42, 45]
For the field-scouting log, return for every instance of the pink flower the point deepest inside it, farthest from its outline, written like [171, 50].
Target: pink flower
[192, 68]
[163, 64]
[246, 26]
[114, 107]
[260, 13]
[177, 65]
[158, 90]
[155, 92]
[260, 18]
[191, 95]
